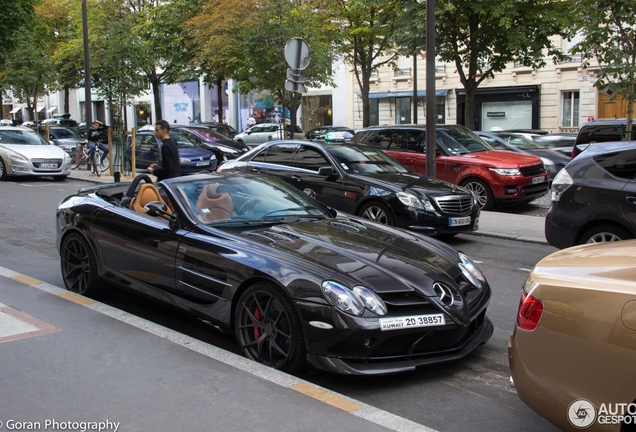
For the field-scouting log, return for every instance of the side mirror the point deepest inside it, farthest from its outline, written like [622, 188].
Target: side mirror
[325, 171]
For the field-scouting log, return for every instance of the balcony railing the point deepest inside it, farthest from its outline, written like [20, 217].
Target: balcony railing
[402, 72]
[440, 68]
[574, 58]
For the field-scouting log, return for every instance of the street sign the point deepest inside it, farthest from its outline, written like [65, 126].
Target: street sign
[297, 53]
[294, 86]
[295, 75]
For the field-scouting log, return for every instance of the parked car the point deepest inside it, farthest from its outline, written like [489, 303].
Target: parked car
[193, 158]
[366, 182]
[60, 121]
[599, 131]
[25, 153]
[223, 147]
[264, 132]
[296, 282]
[573, 347]
[553, 160]
[318, 133]
[594, 197]
[530, 134]
[561, 142]
[65, 138]
[497, 177]
[222, 128]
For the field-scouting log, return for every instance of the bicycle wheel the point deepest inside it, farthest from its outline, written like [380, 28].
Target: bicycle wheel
[105, 165]
[96, 163]
[77, 159]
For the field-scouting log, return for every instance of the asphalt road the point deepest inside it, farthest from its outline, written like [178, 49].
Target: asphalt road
[471, 394]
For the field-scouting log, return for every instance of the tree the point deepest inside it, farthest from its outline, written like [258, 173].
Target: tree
[608, 28]
[365, 38]
[245, 40]
[482, 37]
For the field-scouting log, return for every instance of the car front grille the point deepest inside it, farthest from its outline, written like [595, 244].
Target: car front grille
[455, 204]
[532, 171]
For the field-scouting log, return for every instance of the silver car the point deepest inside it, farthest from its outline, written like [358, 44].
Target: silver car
[25, 153]
[263, 132]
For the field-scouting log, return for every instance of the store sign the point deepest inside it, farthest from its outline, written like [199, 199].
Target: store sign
[496, 114]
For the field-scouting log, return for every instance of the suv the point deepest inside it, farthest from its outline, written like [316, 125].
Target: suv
[599, 131]
[496, 177]
[594, 197]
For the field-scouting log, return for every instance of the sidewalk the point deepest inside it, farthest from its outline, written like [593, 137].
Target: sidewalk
[491, 224]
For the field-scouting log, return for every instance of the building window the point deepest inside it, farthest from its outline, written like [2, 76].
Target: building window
[403, 110]
[374, 112]
[570, 108]
[568, 45]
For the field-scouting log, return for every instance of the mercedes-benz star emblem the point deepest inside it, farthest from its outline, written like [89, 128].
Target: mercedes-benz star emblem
[444, 294]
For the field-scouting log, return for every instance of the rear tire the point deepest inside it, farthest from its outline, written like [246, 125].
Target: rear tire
[79, 267]
[96, 163]
[605, 233]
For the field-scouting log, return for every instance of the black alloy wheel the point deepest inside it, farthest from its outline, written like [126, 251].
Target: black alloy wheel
[268, 329]
[377, 212]
[79, 267]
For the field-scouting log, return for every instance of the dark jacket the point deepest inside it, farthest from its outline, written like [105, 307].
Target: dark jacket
[170, 164]
[100, 134]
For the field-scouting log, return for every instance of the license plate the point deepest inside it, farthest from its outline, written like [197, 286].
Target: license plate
[202, 163]
[48, 165]
[414, 321]
[538, 180]
[459, 221]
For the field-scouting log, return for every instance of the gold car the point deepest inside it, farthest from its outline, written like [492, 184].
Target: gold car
[573, 350]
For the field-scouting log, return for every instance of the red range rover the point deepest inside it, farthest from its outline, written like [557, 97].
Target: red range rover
[497, 177]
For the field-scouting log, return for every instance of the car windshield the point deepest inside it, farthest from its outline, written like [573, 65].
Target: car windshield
[458, 141]
[240, 201]
[182, 142]
[212, 135]
[63, 133]
[365, 160]
[21, 137]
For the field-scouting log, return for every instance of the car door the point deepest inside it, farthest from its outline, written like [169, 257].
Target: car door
[146, 150]
[275, 160]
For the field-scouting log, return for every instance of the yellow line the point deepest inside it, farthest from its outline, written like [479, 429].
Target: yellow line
[26, 280]
[76, 298]
[326, 397]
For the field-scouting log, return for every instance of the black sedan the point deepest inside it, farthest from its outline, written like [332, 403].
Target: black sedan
[296, 282]
[364, 181]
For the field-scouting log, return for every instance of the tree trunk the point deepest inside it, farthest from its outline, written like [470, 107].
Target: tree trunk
[469, 108]
[219, 96]
[155, 81]
[629, 132]
[67, 104]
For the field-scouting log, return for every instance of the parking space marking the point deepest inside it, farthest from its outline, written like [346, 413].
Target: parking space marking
[326, 397]
[26, 280]
[76, 298]
[15, 325]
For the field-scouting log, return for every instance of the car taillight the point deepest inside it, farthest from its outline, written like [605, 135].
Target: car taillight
[530, 311]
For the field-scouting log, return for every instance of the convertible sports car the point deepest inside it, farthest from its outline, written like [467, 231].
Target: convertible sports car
[295, 281]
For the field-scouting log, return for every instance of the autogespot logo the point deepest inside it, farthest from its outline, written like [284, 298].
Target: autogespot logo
[581, 413]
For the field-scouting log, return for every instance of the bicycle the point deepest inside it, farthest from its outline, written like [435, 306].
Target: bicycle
[80, 160]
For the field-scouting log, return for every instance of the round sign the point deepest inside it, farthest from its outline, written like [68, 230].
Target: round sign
[297, 53]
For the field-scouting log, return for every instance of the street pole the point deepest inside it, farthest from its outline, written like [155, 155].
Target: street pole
[88, 104]
[431, 144]
[414, 87]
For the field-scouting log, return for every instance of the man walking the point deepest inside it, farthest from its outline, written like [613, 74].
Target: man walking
[170, 165]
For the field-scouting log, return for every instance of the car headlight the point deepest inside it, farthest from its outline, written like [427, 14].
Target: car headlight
[506, 171]
[370, 300]
[17, 157]
[225, 149]
[471, 271]
[411, 200]
[67, 157]
[562, 181]
[343, 299]
[184, 160]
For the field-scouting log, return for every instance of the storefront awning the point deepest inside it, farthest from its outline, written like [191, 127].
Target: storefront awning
[50, 110]
[15, 110]
[384, 95]
[41, 109]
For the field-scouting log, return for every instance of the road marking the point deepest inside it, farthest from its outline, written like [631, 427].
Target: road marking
[362, 410]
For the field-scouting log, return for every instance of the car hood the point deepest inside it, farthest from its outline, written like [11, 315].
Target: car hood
[554, 156]
[36, 151]
[500, 159]
[409, 181]
[68, 142]
[389, 261]
[194, 153]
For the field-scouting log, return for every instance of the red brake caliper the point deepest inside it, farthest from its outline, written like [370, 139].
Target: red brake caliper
[258, 316]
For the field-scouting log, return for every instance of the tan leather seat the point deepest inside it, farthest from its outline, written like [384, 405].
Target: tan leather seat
[147, 193]
[213, 206]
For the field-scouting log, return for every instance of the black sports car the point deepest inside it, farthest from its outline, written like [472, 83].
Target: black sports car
[293, 280]
[366, 182]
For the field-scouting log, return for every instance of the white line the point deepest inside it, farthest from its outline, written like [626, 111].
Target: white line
[368, 412]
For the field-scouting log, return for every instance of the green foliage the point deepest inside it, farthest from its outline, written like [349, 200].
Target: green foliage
[16, 16]
[482, 37]
[609, 37]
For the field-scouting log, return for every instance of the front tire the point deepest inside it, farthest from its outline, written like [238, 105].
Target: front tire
[605, 233]
[377, 212]
[485, 197]
[79, 266]
[3, 170]
[268, 328]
